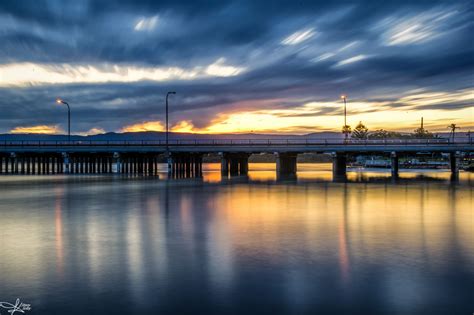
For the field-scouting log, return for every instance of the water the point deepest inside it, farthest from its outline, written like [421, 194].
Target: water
[132, 245]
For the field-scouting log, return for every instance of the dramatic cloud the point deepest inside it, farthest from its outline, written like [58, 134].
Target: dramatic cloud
[37, 129]
[298, 37]
[33, 74]
[237, 66]
[145, 126]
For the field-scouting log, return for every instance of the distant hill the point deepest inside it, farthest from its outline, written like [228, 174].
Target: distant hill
[153, 135]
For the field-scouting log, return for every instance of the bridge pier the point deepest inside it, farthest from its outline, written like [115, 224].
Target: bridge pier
[117, 161]
[234, 164]
[185, 165]
[198, 165]
[224, 164]
[454, 162]
[286, 164]
[67, 166]
[394, 164]
[339, 160]
[244, 165]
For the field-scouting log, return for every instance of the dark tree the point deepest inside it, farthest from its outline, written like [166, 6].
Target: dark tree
[360, 132]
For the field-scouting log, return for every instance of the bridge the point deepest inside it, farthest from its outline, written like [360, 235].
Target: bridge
[184, 157]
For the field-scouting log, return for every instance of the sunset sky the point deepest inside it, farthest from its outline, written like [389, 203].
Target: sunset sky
[237, 66]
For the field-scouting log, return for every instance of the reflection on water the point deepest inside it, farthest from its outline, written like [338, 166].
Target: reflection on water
[128, 245]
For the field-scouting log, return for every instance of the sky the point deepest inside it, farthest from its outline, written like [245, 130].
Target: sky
[236, 66]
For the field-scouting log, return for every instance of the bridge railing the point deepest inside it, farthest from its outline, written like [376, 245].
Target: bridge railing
[227, 142]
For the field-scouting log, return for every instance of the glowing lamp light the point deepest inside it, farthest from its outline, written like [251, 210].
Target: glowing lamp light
[343, 97]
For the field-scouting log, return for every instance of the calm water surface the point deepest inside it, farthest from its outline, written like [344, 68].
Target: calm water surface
[131, 245]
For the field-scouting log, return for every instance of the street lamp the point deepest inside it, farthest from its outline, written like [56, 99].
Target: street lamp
[167, 131]
[60, 101]
[345, 128]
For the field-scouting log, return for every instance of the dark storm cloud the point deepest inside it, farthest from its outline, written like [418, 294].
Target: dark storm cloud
[249, 34]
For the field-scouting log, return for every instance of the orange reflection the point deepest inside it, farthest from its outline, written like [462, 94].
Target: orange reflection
[211, 172]
[343, 254]
[58, 223]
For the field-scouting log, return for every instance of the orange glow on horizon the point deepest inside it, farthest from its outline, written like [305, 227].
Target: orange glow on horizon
[41, 129]
[144, 126]
[271, 116]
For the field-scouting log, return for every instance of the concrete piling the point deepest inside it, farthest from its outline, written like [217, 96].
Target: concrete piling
[339, 160]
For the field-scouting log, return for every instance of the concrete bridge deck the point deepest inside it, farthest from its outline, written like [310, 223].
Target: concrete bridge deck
[185, 158]
[238, 145]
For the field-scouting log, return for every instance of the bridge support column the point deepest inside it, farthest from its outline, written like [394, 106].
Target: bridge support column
[33, 165]
[394, 164]
[66, 163]
[224, 164]
[198, 166]
[169, 164]
[339, 165]
[185, 165]
[286, 164]
[22, 165]
[13, 163]
[454, 161]
[244, 165]
[48, 160]
[234, 164]
[117, 161]
[150, 166]
[16, 164]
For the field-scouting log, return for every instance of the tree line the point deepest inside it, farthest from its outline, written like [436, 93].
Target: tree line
[361, 132]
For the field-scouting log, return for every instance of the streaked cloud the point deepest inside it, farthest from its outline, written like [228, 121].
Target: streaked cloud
[219, 69]
[146, 24]
[114, 61]
[416, 29]
[440, 100]
[41, 129]
[299, 37]
[348, 46]
[323, 57]
[351, 60]
[24, 74]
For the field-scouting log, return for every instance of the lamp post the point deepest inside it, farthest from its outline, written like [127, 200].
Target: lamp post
[60, 101]
[168, 158]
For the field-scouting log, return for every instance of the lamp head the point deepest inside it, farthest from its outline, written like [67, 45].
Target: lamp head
[171, 92]
[343, 97]
[61, 101]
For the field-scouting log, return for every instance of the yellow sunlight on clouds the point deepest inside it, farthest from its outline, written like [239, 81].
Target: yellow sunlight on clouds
[184, 126]
[42, 129]
[25, 74]
[144, 126]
